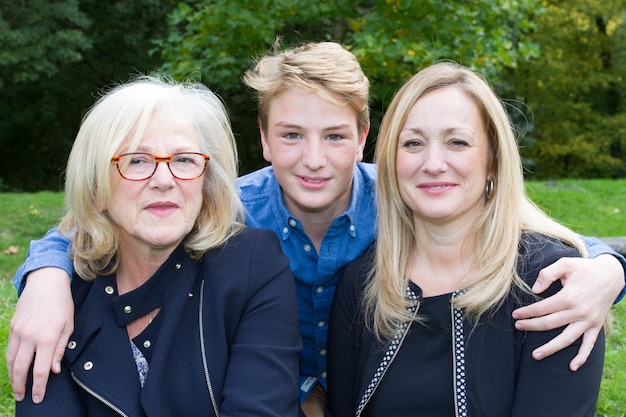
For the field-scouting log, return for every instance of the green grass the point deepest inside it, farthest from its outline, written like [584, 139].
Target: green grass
[591, 207]
[7, 299]
[24, 217]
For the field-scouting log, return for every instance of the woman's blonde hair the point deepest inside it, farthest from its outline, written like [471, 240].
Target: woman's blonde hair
[118, 120]
[323, 67]
[507, 212]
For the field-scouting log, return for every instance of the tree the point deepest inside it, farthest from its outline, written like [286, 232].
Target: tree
[575, 91]
[37, 37]
[56, 56]
[214, 41]
[40, 111]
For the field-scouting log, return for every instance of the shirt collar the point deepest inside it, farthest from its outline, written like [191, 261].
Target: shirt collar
[142, 300]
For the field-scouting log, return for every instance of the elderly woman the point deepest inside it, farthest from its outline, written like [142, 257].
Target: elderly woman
[421, 324]
[181, 310]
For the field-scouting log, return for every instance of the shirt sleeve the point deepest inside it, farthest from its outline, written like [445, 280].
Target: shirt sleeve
[50, 251]
[595, 248]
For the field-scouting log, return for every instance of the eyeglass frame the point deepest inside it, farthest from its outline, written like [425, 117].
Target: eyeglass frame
[157, 160]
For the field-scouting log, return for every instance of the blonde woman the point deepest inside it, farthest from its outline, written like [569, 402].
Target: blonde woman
[422, 324]
[180, 310]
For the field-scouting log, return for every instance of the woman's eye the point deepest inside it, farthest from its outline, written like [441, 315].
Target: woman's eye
[412, 144]
[137, 160]
[458, 143]
[334, 137]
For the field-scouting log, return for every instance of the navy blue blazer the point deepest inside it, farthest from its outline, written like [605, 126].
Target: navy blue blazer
[228, 343]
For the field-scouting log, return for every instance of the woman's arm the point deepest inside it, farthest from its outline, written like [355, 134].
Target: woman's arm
[263, 366]
[549, 387]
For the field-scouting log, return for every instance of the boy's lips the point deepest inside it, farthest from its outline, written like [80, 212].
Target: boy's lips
[312, 182]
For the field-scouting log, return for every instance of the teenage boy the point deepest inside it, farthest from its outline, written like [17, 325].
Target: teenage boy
[318, 197]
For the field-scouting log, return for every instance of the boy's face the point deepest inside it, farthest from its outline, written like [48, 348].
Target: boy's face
[313, 146]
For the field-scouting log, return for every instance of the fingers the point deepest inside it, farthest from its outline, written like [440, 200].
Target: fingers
[548, 275]
[19, 358]
[12, 350]
[589, 340]
[569, 335]
[539, 313]
[60, 349]
[41, 372]
[41, 325]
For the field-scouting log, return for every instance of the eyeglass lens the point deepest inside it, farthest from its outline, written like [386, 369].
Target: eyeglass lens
[140, 166]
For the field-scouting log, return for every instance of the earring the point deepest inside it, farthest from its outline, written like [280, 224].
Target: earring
[488, 189]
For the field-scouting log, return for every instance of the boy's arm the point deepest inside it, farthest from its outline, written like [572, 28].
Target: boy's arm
[590, 287]
[596, 248]
[44, 315]
[50, 251]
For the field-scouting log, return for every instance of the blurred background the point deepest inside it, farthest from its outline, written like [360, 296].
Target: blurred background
[560, 66]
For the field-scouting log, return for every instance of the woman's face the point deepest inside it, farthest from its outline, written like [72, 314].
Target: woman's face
[157, 213]
[442, 158]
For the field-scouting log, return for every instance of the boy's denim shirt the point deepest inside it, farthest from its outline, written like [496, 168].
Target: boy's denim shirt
[316, 274]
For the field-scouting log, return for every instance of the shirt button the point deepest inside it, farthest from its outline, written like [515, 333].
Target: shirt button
[71, 344]
[128, 309]
[88, 366]
[324, 374]
[319, 290]
[352, 228]
[177, 266]
[146, 344]
[320, 323]
[323, 352]
[109, 290]
[307, 248]
[292, 223]
[285, 230]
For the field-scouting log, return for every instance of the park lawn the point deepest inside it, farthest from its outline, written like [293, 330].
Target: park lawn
[591, 207]
[24, 217]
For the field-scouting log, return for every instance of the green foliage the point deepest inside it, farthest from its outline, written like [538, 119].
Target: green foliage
[576, 90]
[39, 116]
[214, 40]
[39, 37]
[396, 38]
[564, 59]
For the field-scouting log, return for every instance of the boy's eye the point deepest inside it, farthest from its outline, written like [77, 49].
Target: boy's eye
[292, 135]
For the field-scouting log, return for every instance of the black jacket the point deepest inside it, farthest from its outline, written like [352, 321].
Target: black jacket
[499, 376]
[228, 342]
